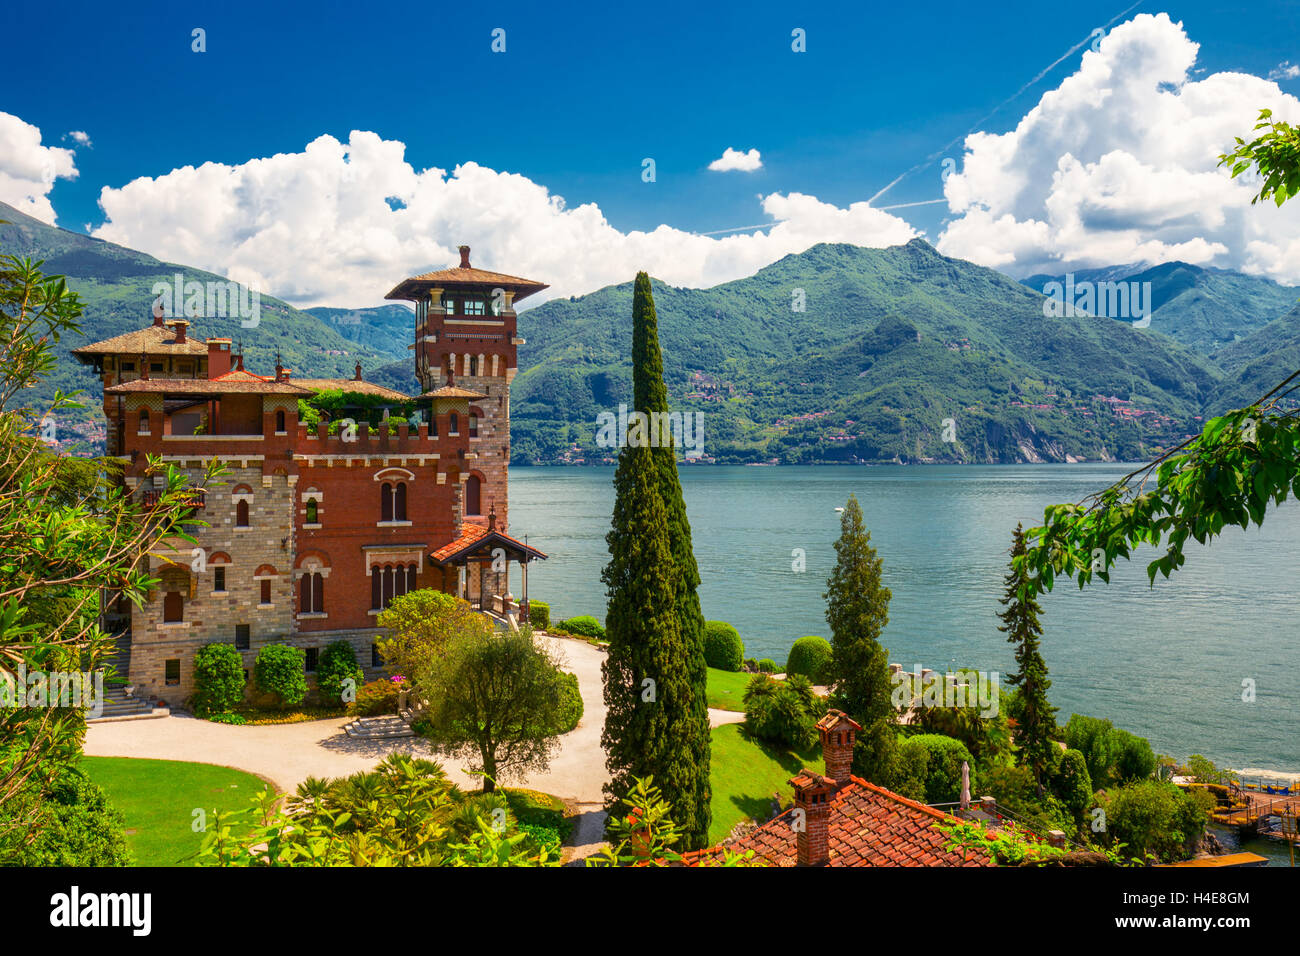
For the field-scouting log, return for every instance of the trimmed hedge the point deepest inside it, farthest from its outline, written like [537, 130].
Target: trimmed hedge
[337, 664]
[281, 670]
[570, 703]
[723, 648]
[539, 615]
[810, 657]
[767, 666]
[218, 679]
[584, 626]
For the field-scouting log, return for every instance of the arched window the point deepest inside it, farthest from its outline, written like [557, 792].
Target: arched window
[473, 488]
[313, 593]
[399, 502]
[386, 502]
[454, 428]
[279, 420]
[473, 426]
[313, 511]
[241, 514]
[173, 607]
[144, 421]
[473, 365]
[410, 577]
[377, 588]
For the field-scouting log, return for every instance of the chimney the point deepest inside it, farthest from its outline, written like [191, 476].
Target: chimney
[144, 366]
[492, 517]
[158, 312]
[179, 326]
[464, 257]
[279, 368]
[218, 357]
[811, 818]
[838, 732]
[357, 378]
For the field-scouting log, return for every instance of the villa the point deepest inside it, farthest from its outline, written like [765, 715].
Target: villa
[315, 531]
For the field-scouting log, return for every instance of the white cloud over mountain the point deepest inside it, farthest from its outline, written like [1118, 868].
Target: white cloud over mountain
[341, 223]
[28, 169]
[733, 160]
[1120, 164]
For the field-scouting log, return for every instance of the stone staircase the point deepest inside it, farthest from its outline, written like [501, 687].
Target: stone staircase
[378, 728]
[116, 703]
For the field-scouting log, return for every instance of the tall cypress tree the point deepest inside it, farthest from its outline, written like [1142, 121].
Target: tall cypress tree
[654, 622]
[857, 610]
[1036, 717]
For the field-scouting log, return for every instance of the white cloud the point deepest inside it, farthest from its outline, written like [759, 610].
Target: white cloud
[1119, 164]
[28, 169]
[733, 160]
[316, 227]
[80, 137]
[1286, 70]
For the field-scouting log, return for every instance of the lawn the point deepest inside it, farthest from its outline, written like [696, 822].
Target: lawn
[726, 689]
[158, 799]
[745, 773]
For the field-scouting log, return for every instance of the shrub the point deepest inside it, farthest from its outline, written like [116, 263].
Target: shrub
[376, 698]
[810, 656]
[939, 771]
[1133, 757]
[767, 666]
[539, 614]
[570, 704]
[218, 679]
[584, 626]
[80, 827]
[781, 712]
[723, 648]
[750, 666]
[1071, 783]
[1154, 817]
[337, 664]
[279, 671]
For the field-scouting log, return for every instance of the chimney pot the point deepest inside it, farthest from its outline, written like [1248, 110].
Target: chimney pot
[158, 312]
[812, 794]
[358, 375]
[464, 257]
[838, 733]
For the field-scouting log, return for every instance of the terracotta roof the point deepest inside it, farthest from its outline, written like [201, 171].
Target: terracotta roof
[229, 384]
[416, 287]
[833, 718]
[154, 340]
[452, 391]
[867, 826]
[352, 385]
[473, 537]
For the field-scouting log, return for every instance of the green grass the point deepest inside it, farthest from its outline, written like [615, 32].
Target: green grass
[745, 773]
[727, 689]
[158, 799]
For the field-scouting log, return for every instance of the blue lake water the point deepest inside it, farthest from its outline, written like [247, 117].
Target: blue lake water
[1166, 662]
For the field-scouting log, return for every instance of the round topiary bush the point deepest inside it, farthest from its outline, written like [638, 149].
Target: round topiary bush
[218, 679]
[570, 704]
[767, 666]
[280, 670]
[584, 626]
[337, 666]
[810, 656]
[539, 614]
[723, 647]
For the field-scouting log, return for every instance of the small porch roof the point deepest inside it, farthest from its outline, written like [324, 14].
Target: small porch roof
[474, 541]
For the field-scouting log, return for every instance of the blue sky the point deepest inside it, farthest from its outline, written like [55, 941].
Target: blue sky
[581, 96]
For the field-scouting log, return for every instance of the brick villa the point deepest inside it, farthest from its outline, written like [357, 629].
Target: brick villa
[313, 533]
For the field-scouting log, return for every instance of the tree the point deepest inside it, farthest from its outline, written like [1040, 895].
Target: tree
[281, 670]
[657, 722]
[857, 610]
[420, 623]
[1153, 817]
[218, 679]
[337, 665]
[1036, 717]
[70, 536]
[498, 697]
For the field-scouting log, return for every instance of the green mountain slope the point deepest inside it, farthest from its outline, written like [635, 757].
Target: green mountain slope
[1202, 308]
[1255, 364]
[116, 284]
[891, 343]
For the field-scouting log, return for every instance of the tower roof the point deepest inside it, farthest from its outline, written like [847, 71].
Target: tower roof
[463, 276]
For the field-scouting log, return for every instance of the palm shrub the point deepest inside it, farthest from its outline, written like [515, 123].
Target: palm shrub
[781, 712]
[810, 656]
[336, 667]
[280, 670]
[723, 648]
[218, 679]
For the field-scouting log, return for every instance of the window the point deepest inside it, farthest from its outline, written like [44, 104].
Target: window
[313, 655]
[473, 365]
[243, 634]
[219, 579]
[473, 426]
[386, 502]
[313, 511]
[241, 515]
[266, 592]
[472, 305]
[144, 421]
[186, 369]
[376, 589]
[173, 607]
[155, 366]
[473, 488]
[128, 366]
[410, 577]
[279, 420]
[454, 425]
[312, 588]
[172, 671]
[375, 659]
[399, 502]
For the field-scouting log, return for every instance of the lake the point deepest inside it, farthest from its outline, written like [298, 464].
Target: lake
[1166, 662]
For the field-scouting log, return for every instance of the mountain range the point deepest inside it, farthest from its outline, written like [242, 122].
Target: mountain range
[836, 354]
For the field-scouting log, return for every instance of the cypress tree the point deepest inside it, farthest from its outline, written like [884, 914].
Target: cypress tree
[857, 610]
[1036, 719]
[653, 621]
